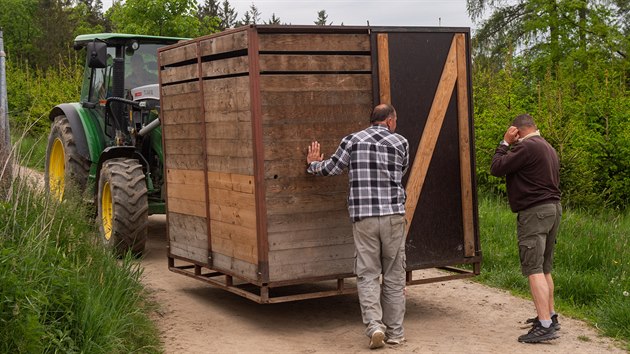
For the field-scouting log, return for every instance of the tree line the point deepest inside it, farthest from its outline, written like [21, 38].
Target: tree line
[563, 61]
[41, 31]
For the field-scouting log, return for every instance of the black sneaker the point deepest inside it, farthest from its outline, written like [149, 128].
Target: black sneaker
[538, 333]
[554, 321]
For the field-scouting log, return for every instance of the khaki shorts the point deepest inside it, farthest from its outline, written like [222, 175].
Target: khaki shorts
[537, 228]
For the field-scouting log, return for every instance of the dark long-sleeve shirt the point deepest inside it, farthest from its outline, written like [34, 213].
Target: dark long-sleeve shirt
[532, 171]
[376, 160]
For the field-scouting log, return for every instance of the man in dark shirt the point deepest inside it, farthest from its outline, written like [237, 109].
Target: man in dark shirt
[532, 168]
[376, 159]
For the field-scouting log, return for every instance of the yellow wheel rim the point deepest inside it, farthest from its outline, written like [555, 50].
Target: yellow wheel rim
[57, 169]
[107, 210]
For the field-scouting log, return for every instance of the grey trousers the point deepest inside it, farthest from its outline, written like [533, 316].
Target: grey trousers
[380, 249]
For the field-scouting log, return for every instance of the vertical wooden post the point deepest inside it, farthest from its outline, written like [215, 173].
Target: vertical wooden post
[205, 152]
[464, 147]
[384, 84]
[171, 261]
[259, 158]
[431, 133]
[264, 294]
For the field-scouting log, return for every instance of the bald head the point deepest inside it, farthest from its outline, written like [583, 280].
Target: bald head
[525, 124]
[382, 112]
[524, 121]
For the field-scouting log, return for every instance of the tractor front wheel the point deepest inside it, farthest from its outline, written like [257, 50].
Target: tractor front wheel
[123, 207]
[64, 165]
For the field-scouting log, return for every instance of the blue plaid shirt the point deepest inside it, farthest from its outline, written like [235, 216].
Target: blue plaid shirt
[376, 160]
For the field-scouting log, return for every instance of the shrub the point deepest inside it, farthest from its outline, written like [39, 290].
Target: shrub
[32, 93]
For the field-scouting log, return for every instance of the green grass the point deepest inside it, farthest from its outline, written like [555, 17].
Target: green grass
[60, 291]
[31, 150]
[591, 270]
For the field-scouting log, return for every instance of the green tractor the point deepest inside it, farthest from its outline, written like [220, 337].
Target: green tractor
[108, 146]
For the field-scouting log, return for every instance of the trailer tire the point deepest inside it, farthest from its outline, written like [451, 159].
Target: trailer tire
[65, 167]
[123, 207]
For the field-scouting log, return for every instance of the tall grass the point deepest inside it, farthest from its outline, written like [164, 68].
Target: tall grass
[59, 290]
[592, 263]
[31, 150]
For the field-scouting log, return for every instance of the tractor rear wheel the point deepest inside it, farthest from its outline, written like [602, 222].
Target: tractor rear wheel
[65, 167]
[123, 207]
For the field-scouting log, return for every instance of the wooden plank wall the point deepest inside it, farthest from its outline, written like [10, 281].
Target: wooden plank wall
[214, 180]
[305, 97]
[182, 120]
[230, 164]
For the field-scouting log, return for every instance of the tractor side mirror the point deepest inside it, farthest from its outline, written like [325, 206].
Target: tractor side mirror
[97, 54]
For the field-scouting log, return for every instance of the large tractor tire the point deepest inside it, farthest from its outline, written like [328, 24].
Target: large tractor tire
[65, 167]
[123, 206]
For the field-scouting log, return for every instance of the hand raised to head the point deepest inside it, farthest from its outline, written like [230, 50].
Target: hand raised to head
[511, 135]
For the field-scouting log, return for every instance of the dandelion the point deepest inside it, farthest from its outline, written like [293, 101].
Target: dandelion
[626, 294]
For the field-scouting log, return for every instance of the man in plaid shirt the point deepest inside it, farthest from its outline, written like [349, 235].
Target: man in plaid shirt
[376, 158]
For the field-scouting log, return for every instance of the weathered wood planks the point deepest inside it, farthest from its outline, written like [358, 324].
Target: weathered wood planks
[298, 96]
[239, 109]
[211, 183]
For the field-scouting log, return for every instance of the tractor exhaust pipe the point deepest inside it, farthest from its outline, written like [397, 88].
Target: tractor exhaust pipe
[149, 127]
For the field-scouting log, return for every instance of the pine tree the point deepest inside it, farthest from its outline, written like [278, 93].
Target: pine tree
[228, 15]
[251, 16]
[322, 18]
[52, 17]
[208, 15]
[210, 8]
[273, 20]
[245, 20]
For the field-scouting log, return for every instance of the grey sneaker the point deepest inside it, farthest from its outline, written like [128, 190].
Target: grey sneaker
[538, 333]
[376, 340]
[554, 321]
[394, 341]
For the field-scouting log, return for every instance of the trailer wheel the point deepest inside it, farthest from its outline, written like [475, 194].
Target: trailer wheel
[65, 167]
[123, 207]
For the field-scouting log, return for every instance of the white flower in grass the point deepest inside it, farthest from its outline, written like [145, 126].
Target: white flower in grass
[625, 293]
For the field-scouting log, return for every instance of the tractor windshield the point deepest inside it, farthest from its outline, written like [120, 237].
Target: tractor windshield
[141, 66]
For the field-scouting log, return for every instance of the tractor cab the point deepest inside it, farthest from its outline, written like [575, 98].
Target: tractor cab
[116, 64]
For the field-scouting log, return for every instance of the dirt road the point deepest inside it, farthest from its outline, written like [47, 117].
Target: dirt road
[451, 317]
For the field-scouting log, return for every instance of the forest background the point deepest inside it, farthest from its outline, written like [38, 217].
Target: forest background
[563, 61]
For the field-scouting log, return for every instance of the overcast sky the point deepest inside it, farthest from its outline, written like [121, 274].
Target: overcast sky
[447, 13]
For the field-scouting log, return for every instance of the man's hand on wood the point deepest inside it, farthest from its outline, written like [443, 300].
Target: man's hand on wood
[314, 153]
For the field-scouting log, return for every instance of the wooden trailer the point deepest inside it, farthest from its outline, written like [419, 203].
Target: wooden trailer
[239, 109]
